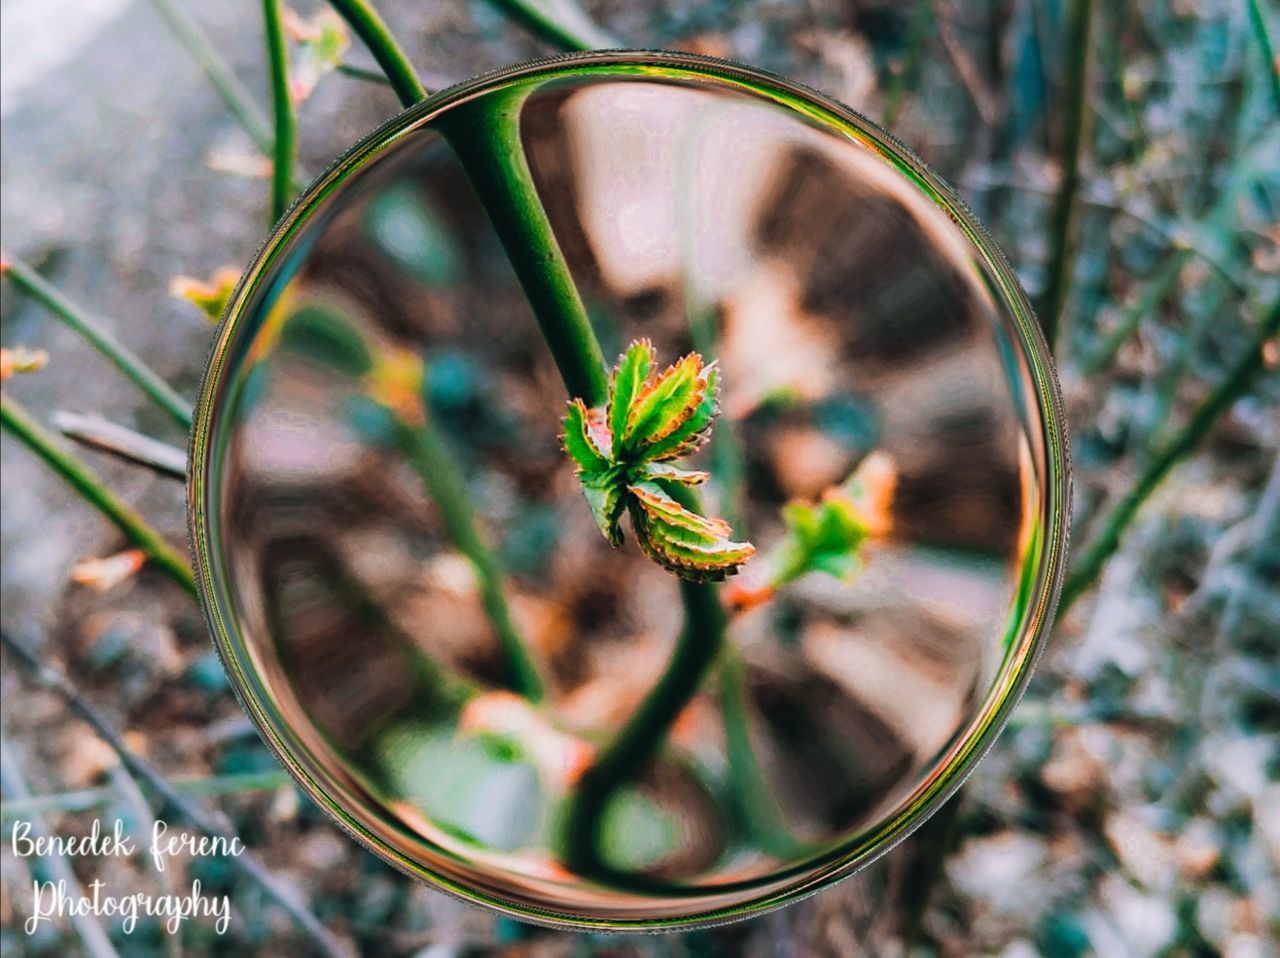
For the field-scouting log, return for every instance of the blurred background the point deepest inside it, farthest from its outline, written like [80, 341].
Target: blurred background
[1132, 805]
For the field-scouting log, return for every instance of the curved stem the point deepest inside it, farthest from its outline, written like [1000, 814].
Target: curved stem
[283, 151]
[435, 466]
[28, 281]
[369, 27]
[1094, 556]
[486, 138]
[637, 744]
[31, 434]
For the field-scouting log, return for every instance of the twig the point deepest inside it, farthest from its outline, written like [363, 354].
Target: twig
[979, 93]
[206, 821]
[91, 933]
[369, 27]
[31, 283]
[282, 156]
[432, 461]
[432, 81]
[561, 23]
[1062, 215]
[239, 104]
[86, 798]
[905, 69]
[1270, 62]
[1095, 554]
[109, 437]
[18, 421]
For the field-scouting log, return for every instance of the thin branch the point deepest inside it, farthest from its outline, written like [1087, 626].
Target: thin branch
[1062, 216]
[84, 799]
[434, 464]
[432, 81]
[210, 823]
[283, 154]
[1095, 555]
[1270, 62]
[104, 436]
[562, 23]
[17, 420]
[31, 283]
[237, 99]
[92, 934]
[369, 27]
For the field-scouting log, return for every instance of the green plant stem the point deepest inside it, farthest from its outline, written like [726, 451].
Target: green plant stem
[282, 156]
[637, 744]
[1156, 289]
[92, 935]
[1062, 216]
[434, 464]
[31, 434]
[727, 462]
[487, 141]
[32, 284]
[238, 102]
[899, 82]
[369, 27]
[210, 823]
[562, 24]
[486, 138]
[1269, 62]
[759, 812]
[1094, 556]
[86, 798]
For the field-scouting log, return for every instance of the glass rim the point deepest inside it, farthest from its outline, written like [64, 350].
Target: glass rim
[969, 744]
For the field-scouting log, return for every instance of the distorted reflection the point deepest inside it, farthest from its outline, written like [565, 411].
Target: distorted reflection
[419, 590]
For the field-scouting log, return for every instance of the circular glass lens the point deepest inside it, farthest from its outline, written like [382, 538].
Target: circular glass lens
[722, 628]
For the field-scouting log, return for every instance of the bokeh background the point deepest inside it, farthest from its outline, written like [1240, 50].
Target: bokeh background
[1131, 808]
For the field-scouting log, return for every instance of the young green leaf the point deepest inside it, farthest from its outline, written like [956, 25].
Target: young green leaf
[622, 454]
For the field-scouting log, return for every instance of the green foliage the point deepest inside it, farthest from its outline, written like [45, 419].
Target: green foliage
[623, 452]
[821, 537]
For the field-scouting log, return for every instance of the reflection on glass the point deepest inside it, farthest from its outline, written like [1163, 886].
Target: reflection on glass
[410, 587]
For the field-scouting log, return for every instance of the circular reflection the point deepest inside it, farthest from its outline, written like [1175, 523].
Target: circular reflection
[407, 584]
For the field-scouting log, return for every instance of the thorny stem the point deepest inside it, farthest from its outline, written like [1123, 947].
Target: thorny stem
[31, 283]
[1096, 553]
[567, 28]
[369, 27]
[18, 421]
[487, 141]
[92, 935]
[435, 465]
[1062, 216]
[238, 102]
[282, 157]
[206, 821]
